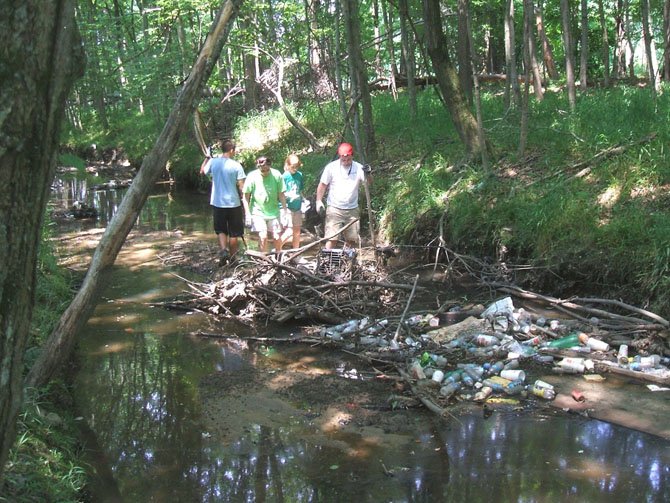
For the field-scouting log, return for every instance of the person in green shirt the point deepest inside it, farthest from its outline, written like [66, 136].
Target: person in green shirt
[294, 187]
[263, 190]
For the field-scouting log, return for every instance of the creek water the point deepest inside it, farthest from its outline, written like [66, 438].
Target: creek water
[139, 390]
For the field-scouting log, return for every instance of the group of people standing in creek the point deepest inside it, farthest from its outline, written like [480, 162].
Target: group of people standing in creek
[271, 203]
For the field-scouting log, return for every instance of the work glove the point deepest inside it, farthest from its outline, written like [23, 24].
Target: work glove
[320, 208]
[367, 169]
[247, 221]
[305, 206]
[284, 217]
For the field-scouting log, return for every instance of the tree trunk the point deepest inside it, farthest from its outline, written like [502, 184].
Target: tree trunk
[547, 51]
[390, 49]
[41, 53]
[584, 53]
[359, 80]
[619, 66]
[57, 349]
[407, 39]
[523, 126]
[666, 40]
[606, 45]
[452, 94]
[529, 10]
[463, 50]
[569, 54]
[512, 85]
[650, 48]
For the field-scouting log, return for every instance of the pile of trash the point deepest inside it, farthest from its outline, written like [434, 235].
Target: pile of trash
[486, 355]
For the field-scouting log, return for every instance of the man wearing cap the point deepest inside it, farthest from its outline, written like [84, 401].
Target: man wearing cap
[342, 178]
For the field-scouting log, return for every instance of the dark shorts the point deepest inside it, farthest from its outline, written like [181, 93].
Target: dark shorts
[229, 221]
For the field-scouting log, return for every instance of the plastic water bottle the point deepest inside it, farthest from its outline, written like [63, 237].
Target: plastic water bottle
[449, 389]
[546, 393]
[564, 342]
[474, 371]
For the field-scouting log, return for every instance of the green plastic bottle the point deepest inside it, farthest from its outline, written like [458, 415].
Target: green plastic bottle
[568, 341]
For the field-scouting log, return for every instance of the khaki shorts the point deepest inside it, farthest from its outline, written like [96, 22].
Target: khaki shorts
[295, 220]
[337, 218]
[269, 227]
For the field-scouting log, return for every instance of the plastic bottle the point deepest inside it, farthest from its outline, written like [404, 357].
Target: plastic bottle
[474, 371]
[438, 376]
[484, 340]
[449, 389]
[622, 355]
[416, 370]
[512, 364]
[546, 393]
[496, 383]
[467, 380]
[564, 342]
[513, 375]
[496, 368]
[573, 364]
[597, 344]
[542, 384]
[515, 388]
[483, 394]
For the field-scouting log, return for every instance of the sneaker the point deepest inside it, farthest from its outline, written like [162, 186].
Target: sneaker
[224, 257]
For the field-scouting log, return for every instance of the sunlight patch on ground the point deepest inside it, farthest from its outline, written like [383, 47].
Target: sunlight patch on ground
[609, 197]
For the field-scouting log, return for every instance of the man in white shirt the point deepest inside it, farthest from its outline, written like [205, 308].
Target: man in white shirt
[342, 179]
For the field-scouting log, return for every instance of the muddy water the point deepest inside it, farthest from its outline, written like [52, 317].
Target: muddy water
[178, 417]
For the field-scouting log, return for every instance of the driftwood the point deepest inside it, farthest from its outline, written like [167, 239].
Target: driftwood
[268, 288]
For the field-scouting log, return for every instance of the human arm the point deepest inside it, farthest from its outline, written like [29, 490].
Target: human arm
[320, 192]
[204, 163]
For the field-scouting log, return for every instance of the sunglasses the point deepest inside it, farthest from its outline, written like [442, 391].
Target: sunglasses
[261, 162]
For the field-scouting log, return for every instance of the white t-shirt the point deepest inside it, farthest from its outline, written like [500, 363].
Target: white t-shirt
[343, 184]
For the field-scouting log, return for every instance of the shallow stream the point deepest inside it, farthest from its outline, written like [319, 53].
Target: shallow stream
[172, 416]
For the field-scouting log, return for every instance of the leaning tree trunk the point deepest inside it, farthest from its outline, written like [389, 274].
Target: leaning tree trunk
[447, 78]
[465, 63]
[58, 347]
[547, 51]
[528, 11]
[41, 56]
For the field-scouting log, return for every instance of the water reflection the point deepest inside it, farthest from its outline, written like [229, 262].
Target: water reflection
[138, 389]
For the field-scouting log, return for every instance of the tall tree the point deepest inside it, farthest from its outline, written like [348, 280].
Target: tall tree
[649, 48]
[447, 78]
[463, 50]
[40, 55]
[512, 84]
[666, 40]
[569, 54]
[528, 12]
[59, 344]
[407, 40]
[584, 52]
[358, 77]
[605, 42]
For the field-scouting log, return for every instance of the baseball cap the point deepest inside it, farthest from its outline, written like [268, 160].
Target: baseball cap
[345, 149]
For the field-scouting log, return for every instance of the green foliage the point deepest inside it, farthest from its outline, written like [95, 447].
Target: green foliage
[46, 463]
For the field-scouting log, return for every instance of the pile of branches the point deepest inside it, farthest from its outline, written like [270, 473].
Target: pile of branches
[267, 288]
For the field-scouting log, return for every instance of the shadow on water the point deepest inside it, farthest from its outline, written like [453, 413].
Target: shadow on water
[139, 390]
